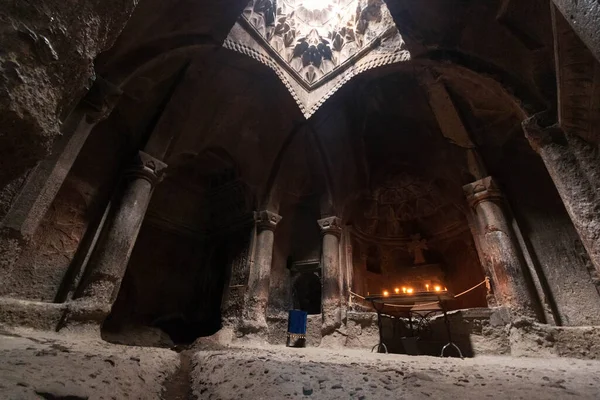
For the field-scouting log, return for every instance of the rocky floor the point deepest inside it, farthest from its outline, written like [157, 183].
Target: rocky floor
[35, 365]
[352, 374]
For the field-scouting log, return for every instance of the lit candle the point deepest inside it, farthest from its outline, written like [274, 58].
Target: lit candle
[437, 288]
[397, 290]
[409, 290]
[427, 286]
[403, 290]
[386, 293]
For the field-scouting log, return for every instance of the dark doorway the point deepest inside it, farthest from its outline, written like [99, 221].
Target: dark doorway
[306, 288]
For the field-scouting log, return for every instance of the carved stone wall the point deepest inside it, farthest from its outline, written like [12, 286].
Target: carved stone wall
[578, 81]
[40, 270]
[572, 290]
[48, 50]
[51, 260]
[584, 16]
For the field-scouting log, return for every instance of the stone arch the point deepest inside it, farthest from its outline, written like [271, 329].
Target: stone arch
[190, 261]
[306, 291]
[148, 55]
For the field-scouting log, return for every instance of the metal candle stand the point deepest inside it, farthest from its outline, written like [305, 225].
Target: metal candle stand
[409, 301]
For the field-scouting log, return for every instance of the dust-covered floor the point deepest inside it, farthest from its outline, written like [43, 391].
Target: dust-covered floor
[39, 365]
[279, 373]
[45, 365]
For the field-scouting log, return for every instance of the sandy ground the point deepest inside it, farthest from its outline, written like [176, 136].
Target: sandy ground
[41, 365]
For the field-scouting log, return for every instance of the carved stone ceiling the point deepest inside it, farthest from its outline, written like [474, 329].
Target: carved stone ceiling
[315, 46]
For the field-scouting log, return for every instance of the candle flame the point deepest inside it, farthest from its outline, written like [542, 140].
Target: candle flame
[397, 290]
[409, 290]
[437, 288]
[386, 293]
[403, 290]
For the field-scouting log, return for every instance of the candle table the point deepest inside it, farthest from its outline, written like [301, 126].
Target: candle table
[410, 305]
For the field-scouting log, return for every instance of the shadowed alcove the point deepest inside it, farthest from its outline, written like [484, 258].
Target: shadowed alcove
[187, 255]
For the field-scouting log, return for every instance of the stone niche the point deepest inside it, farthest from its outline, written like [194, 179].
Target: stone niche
[306, 286]
[189, 269]
[407, 235]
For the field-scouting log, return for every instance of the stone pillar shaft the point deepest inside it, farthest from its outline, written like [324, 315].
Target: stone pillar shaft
[110, 257]
[331, 229]
[257, 295]
[502, 254]
[574, 166]
[584, 18]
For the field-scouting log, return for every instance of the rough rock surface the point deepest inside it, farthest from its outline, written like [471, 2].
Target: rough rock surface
[36, 365]
[277, 373]
[584, 17]
[45, 66]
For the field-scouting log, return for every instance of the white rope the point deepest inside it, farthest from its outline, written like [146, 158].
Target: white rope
[487, 284]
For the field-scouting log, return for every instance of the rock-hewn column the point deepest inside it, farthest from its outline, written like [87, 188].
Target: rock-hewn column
[574, 166]
[502, 254]
[110, 257]
[584, 18]
[43, 182]
[331, 229]
[257, 295]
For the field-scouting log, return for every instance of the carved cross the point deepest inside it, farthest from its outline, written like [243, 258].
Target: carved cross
[416, 247]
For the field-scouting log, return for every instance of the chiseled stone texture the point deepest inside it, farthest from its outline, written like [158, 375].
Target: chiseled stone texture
[277, 373]
[584, 17]
[529, 339]
[578, 75]
[45, 67]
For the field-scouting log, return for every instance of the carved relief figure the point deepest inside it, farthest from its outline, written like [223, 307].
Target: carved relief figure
[416, 247]
[390, 208]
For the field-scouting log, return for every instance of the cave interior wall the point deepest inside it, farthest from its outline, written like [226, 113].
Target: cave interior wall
[373, 155]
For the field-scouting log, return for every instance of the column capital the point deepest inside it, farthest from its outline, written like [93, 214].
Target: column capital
[484, 189]
[144, 166]
[100, 100]
[331, 225]
[541, 130]
[266, 220]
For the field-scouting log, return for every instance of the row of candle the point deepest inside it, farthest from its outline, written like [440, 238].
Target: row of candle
[405, 290]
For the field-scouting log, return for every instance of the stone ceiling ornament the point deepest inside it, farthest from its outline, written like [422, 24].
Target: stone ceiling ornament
[315, 46]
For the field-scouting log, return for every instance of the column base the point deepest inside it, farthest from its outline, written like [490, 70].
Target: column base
[75, 315]
[332, 319]
[31, 314]
[86, 311]
[253, 326]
